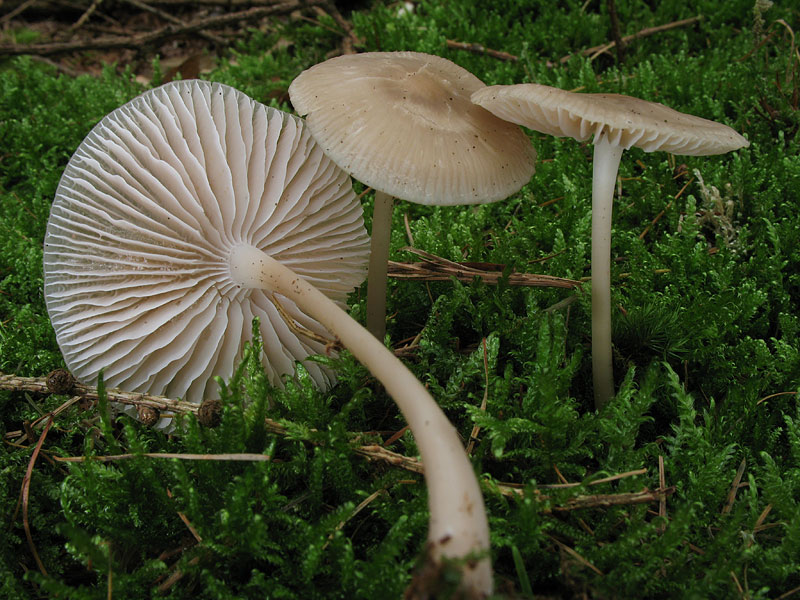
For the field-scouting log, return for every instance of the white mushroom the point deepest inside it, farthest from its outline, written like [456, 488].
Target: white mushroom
[146, 216]
[192, 209]
[617, 122]
[403, 123]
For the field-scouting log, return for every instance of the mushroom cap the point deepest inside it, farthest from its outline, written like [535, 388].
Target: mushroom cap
[626, 121]
[136, 274]
[403, 123]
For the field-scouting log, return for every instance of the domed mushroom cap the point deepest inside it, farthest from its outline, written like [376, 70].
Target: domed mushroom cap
[625, 120]
[403, 123]
[137, 278]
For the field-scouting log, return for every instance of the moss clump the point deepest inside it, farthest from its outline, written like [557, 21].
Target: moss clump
[708, 357]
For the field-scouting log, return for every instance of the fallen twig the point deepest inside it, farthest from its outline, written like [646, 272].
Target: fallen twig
[349, 39]
[482, 50]
[85, 16]
[169, 18]
[436, 268]
[608, 479]
[574, 554]
[593, 51]
[765, 398]
[370, 452]
[243, 457]
[666, 208]
[159, 35]
[647, 31]
[26, 486]
[662, 484]
[737, 480]
[176, 575]
[361, 506]
[619, 43]
[583, 502]
[187, 522]
[39, 385]
[473, 436]
[17, 11]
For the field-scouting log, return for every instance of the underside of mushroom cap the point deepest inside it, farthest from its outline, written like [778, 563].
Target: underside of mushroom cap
[625, 121]
[403, 123]
[137, 281]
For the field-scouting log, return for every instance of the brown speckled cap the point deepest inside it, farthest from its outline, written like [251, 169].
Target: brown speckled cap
[403, 123]
[626, 121]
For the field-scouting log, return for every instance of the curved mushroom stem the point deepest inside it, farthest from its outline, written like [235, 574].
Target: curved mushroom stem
[604, 176]
[380, 240]
[458, 524]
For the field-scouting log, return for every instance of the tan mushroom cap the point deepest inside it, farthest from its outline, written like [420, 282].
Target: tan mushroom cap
[403, 123]
[626, 121]
[137, 278]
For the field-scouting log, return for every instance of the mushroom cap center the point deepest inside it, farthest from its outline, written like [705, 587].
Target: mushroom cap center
[429, 97]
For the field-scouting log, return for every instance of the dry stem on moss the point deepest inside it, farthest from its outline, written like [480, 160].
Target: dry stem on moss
[370, 452]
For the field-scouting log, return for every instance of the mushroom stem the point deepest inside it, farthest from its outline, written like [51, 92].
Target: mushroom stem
[378, 264]
[458, 524]
[606, 165]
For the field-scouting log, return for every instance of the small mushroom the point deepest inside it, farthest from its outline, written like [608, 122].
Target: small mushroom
[617, 122]
[403, 123]
[189, 211]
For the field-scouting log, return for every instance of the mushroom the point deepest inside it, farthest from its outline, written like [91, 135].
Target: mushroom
[403, 123]
[192, 209]
[617, 123]
[146, 215]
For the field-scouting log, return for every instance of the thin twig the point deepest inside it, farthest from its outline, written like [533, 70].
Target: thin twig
[361, 506]
[762, 517]
[176, 576]
[370, 452]
[788, 594]
[395, 436]
[481, 50]
[241, 457]
[473, 436]
[169, 18]
[666, 208]
[186, 522]
[759, 523]
[662, 484]
[85, 16]
[738, 585]
[574, 554]
[218, 3]
[436, 268]
[409, 235]
[619, 43]
[26, 486]
[39, 385]
[647, 31]
[349, 39]
[583, 502]
[17, 11]
[765, 398]
[159, 35]
[379, 453]
[734, 487]
[596, 481]
[593, 51]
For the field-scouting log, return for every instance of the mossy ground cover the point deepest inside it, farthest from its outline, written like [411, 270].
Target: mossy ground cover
[706, 286]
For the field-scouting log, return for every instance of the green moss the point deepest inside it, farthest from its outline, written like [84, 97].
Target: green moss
[706, 333]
